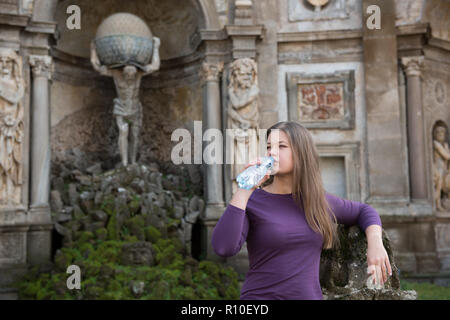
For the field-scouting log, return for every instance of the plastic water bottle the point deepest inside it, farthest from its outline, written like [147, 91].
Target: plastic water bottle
[252, 175]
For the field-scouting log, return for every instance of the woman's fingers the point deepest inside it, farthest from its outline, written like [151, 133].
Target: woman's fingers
[371, 272]
[383, 272]
[253, 162]
[389, 266]
[379, 275]
[263, 180]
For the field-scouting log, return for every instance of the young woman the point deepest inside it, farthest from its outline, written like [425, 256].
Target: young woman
[286, 221]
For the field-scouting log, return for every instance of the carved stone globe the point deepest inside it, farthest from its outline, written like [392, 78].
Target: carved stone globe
[123, 38]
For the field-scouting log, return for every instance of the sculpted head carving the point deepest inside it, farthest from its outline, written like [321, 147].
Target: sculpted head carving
[440, 133]
[10, 66]
[129, 72]
[243, 74]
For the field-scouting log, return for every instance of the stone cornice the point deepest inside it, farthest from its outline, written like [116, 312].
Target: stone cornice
[318, 35]
[245, 30]
[213, 34]
[41, 27]
[14, 19]
[439, 43]
[421, 28]
[406, 30]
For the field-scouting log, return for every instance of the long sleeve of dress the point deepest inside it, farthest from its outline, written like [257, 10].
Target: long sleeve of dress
[230, 232]
[353, 213]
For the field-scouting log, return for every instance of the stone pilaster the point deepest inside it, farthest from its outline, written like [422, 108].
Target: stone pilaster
[386, 183]
[416, 142]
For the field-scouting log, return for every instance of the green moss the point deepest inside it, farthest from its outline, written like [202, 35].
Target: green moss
[112, 227]
[152, 234]
[85, 236]
[107, 204]
[101, 234]
[135, 226]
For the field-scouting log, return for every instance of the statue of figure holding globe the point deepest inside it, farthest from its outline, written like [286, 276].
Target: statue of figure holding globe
[122, 49]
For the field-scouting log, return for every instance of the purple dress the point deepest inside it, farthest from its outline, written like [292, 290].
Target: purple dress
[283, 251]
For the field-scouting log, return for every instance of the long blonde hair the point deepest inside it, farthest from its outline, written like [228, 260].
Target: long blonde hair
[308, 186]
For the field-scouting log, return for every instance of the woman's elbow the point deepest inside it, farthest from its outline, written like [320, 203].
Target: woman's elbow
[222, 249]
[224, 252]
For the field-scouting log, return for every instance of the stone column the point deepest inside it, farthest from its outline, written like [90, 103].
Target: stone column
[213, 179]
[416, 143]
[40, 130]
[39, 235]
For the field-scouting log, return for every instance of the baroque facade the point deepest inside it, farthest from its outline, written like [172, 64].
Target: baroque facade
[375, 100]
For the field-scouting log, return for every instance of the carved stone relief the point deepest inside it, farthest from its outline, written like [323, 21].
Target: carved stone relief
[441, 166]
[322, 100]
[243, 114]
[11, 127]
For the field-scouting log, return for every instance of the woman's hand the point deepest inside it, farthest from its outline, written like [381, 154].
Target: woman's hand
[378, 262]
[264, 179]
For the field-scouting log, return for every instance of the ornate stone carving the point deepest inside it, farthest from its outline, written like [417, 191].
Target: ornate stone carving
[243, 114]
[412, 65]
[441, 162]
[127, 106]
[42, 66]
[11, 127]
[211, 71]
[322, 100]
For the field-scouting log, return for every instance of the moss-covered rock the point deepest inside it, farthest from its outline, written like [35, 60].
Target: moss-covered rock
[343, 270]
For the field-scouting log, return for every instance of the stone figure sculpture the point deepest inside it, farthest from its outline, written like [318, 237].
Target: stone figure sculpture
[11, 126]
[121, 50]
[441, 162]
[243, 114]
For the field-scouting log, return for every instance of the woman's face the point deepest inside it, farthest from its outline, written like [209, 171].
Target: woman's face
[281, 151]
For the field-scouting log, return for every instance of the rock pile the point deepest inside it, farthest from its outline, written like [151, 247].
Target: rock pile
[129, 201]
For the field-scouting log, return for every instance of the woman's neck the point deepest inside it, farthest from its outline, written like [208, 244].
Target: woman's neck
[281, 184]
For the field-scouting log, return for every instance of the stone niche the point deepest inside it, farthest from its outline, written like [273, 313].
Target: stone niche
[82, 101]
[339, 166]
